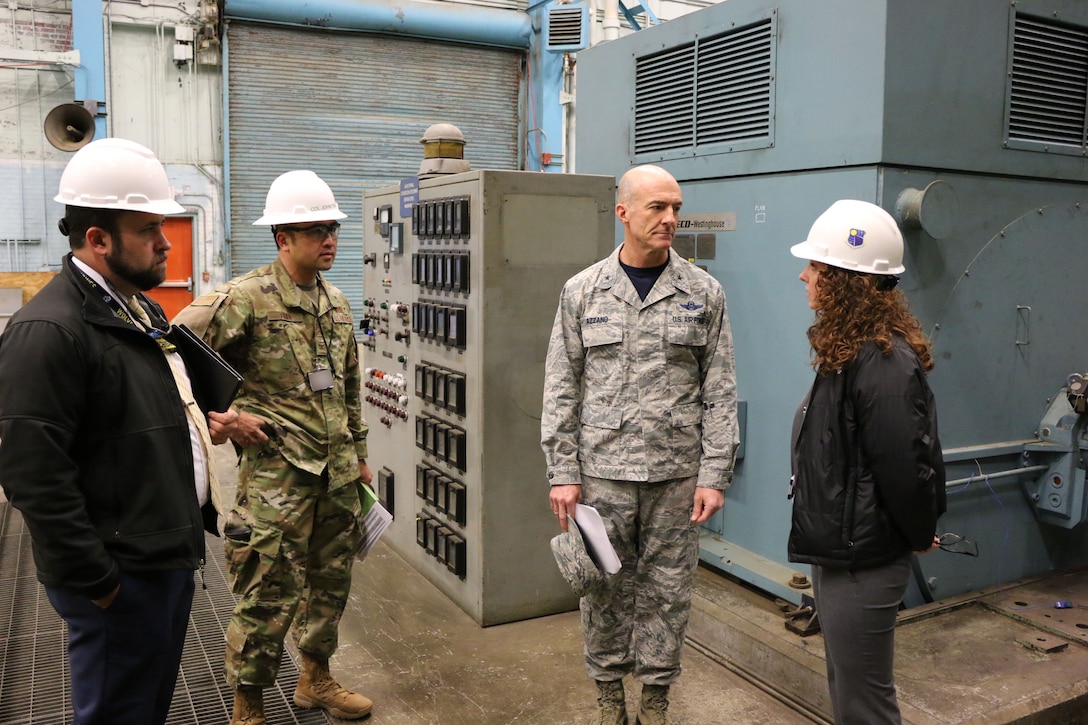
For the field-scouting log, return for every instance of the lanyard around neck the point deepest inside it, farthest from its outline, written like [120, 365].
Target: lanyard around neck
[112, 299]
[317, 321]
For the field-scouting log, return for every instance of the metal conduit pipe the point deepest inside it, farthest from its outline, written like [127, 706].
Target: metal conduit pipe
[440, 21]
[997, 474]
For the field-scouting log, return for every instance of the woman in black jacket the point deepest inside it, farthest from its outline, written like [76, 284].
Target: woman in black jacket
[868, 476]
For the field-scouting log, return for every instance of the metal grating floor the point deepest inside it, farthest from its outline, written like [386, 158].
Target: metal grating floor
[34, 666]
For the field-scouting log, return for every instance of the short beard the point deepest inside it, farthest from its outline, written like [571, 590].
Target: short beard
[142, 280]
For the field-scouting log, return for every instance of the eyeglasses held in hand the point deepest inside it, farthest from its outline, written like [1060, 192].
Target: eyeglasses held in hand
[317, 232]
[956, 544]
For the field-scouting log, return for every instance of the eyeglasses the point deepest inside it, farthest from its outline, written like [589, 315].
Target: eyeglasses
[956, 544]
[317, 232]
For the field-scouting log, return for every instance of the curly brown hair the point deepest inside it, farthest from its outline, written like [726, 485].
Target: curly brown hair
[850, 311]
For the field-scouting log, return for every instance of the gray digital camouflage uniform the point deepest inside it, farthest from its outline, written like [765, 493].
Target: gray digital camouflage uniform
[639, 409]
[297, 494]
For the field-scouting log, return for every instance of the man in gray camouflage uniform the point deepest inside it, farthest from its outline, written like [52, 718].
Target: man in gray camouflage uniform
[291, 537]
[640, 422]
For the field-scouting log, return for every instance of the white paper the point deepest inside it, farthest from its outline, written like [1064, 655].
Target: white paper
[376, 520]
[597, 542]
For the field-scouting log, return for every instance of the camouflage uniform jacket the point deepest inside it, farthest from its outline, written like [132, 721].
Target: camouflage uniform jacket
[640, 390]
[265, 326]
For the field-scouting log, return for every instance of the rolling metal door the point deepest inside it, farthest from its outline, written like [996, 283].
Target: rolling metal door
[352, 108]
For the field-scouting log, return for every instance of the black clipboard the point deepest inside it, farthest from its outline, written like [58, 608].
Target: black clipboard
[215, 382]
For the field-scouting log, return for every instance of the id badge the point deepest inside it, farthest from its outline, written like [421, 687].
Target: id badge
[319, 379]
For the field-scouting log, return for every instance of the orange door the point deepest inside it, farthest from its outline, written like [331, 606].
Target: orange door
[177, 291]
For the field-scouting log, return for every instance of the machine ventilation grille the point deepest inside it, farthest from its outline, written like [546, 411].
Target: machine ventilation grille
[567, 27]
[713, 95]
[1048, 86]
[665, 100]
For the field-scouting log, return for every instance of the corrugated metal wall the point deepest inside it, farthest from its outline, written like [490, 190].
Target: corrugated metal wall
[352, 108]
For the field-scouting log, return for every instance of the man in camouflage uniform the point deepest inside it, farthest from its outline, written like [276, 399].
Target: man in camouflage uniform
[640, 422]
[291, 537]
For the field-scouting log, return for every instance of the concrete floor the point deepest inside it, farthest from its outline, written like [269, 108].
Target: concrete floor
[423, 661]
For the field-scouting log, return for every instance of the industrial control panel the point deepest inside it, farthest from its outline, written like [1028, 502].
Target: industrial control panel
[461, 280]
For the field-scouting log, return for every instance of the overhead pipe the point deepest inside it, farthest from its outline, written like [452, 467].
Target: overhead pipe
[438, 21]
[611, 20]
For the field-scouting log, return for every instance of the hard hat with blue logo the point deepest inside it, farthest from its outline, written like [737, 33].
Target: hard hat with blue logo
[854, 235]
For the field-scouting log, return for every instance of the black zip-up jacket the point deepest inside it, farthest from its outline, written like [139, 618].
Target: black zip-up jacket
[94, 442]
[868, 474]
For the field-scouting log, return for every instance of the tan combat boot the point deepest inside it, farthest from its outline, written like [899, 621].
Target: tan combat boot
[653, 709]
[317, 688]
[248, 706]
[611, 703]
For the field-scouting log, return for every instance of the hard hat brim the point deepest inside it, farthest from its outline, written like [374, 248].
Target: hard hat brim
[818, 253]
[160, 206]
[316, 216]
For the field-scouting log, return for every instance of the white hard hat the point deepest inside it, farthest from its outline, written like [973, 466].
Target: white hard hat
[113, 173]
[299, 196]
[854, 235]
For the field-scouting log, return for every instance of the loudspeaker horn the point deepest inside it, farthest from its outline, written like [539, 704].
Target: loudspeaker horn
[69, 126]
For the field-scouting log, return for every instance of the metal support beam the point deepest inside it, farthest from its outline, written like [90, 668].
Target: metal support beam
[70, 57]
[637, 8]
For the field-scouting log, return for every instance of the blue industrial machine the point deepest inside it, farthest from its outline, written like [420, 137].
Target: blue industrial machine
[967, 121]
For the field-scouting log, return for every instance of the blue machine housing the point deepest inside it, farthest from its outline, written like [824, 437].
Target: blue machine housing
[967, 122]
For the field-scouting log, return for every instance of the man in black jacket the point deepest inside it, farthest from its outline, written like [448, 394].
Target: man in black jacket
[104, 451]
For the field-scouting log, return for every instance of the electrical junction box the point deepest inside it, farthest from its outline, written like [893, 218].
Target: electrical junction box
[461, 282]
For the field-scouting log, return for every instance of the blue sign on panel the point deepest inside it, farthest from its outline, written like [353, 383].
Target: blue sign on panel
[409, 195]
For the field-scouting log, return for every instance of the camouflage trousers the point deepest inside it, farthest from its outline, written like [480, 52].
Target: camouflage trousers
[635, 624]
[294, 572]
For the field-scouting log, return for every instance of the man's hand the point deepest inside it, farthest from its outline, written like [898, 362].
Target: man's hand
[221, 425]
[364, 472]
[708, 501]
[563, 500]
[932, 547]
[107, 600]
[247, 431]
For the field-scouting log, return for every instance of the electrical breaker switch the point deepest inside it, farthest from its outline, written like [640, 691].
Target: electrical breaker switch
[439, 218]
[428, 434]
[455, 502]
[421, 481]
[455, 330]
[455, 555]
[431, 485]
[432, 536]
[442, 544]
[386, 488]
[447, 218]
[421, 528]
[441, 490]
[441, 323]
[460, 218]
[441, 431]
[455, 393]
[421, 426]
[455, 448]
[441, 383]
